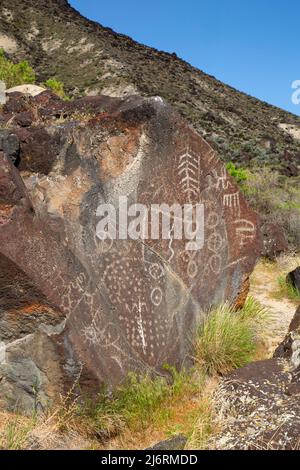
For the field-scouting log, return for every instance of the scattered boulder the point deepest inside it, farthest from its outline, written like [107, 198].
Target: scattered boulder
[289, 165]
[10, 144]
[295, 323]
[111, 305]
[290, 347]
[31, 90]
[293, 278]
[274, 241]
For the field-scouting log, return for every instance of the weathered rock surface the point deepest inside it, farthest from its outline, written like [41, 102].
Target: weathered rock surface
[102, 308]
[262, 400]
[177, 442]
[274, 241]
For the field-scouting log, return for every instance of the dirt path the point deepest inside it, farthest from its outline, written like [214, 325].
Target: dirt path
[265, 288]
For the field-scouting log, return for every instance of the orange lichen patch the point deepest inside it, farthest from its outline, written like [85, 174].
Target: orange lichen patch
[34, 308]
[63, 196]
[117, 153]
[243, 294]
[5, 209]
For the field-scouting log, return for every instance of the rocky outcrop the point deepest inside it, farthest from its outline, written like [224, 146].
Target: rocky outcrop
[261, 402]
[100, 307]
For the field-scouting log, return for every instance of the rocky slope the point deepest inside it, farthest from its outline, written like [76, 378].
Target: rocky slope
[92, 59]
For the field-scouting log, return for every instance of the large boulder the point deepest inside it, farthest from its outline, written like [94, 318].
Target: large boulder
[32, 90]
[122, 304]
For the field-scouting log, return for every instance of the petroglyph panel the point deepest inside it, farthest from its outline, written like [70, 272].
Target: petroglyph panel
[127, 304]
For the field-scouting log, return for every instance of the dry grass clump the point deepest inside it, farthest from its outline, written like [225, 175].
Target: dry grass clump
[228, 339]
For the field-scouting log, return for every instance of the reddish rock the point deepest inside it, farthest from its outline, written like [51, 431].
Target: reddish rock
[126, 304]
[24, 119]
[274, 241]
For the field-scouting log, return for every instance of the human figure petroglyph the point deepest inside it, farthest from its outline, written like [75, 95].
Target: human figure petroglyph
[222, 179]
[218, 179]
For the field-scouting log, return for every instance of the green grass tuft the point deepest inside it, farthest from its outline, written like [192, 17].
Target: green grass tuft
[228, 339]
[286, 289]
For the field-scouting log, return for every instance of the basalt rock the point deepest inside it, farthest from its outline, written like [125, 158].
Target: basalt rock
[90, 310]
[290, 347]
[261, 407]
[294, 278]
[274, 241]
[177, 442]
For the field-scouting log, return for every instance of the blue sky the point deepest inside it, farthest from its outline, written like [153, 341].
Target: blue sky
[252, 45]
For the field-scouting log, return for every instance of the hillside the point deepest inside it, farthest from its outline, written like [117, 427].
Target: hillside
[88, 58]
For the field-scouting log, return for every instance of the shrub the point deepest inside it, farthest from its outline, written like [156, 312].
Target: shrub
[56, 86]
[239, 174]
[228, 338]
[15, 74]
[277, 199]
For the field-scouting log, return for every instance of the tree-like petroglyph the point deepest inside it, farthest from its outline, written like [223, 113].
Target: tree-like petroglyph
[189, 173]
